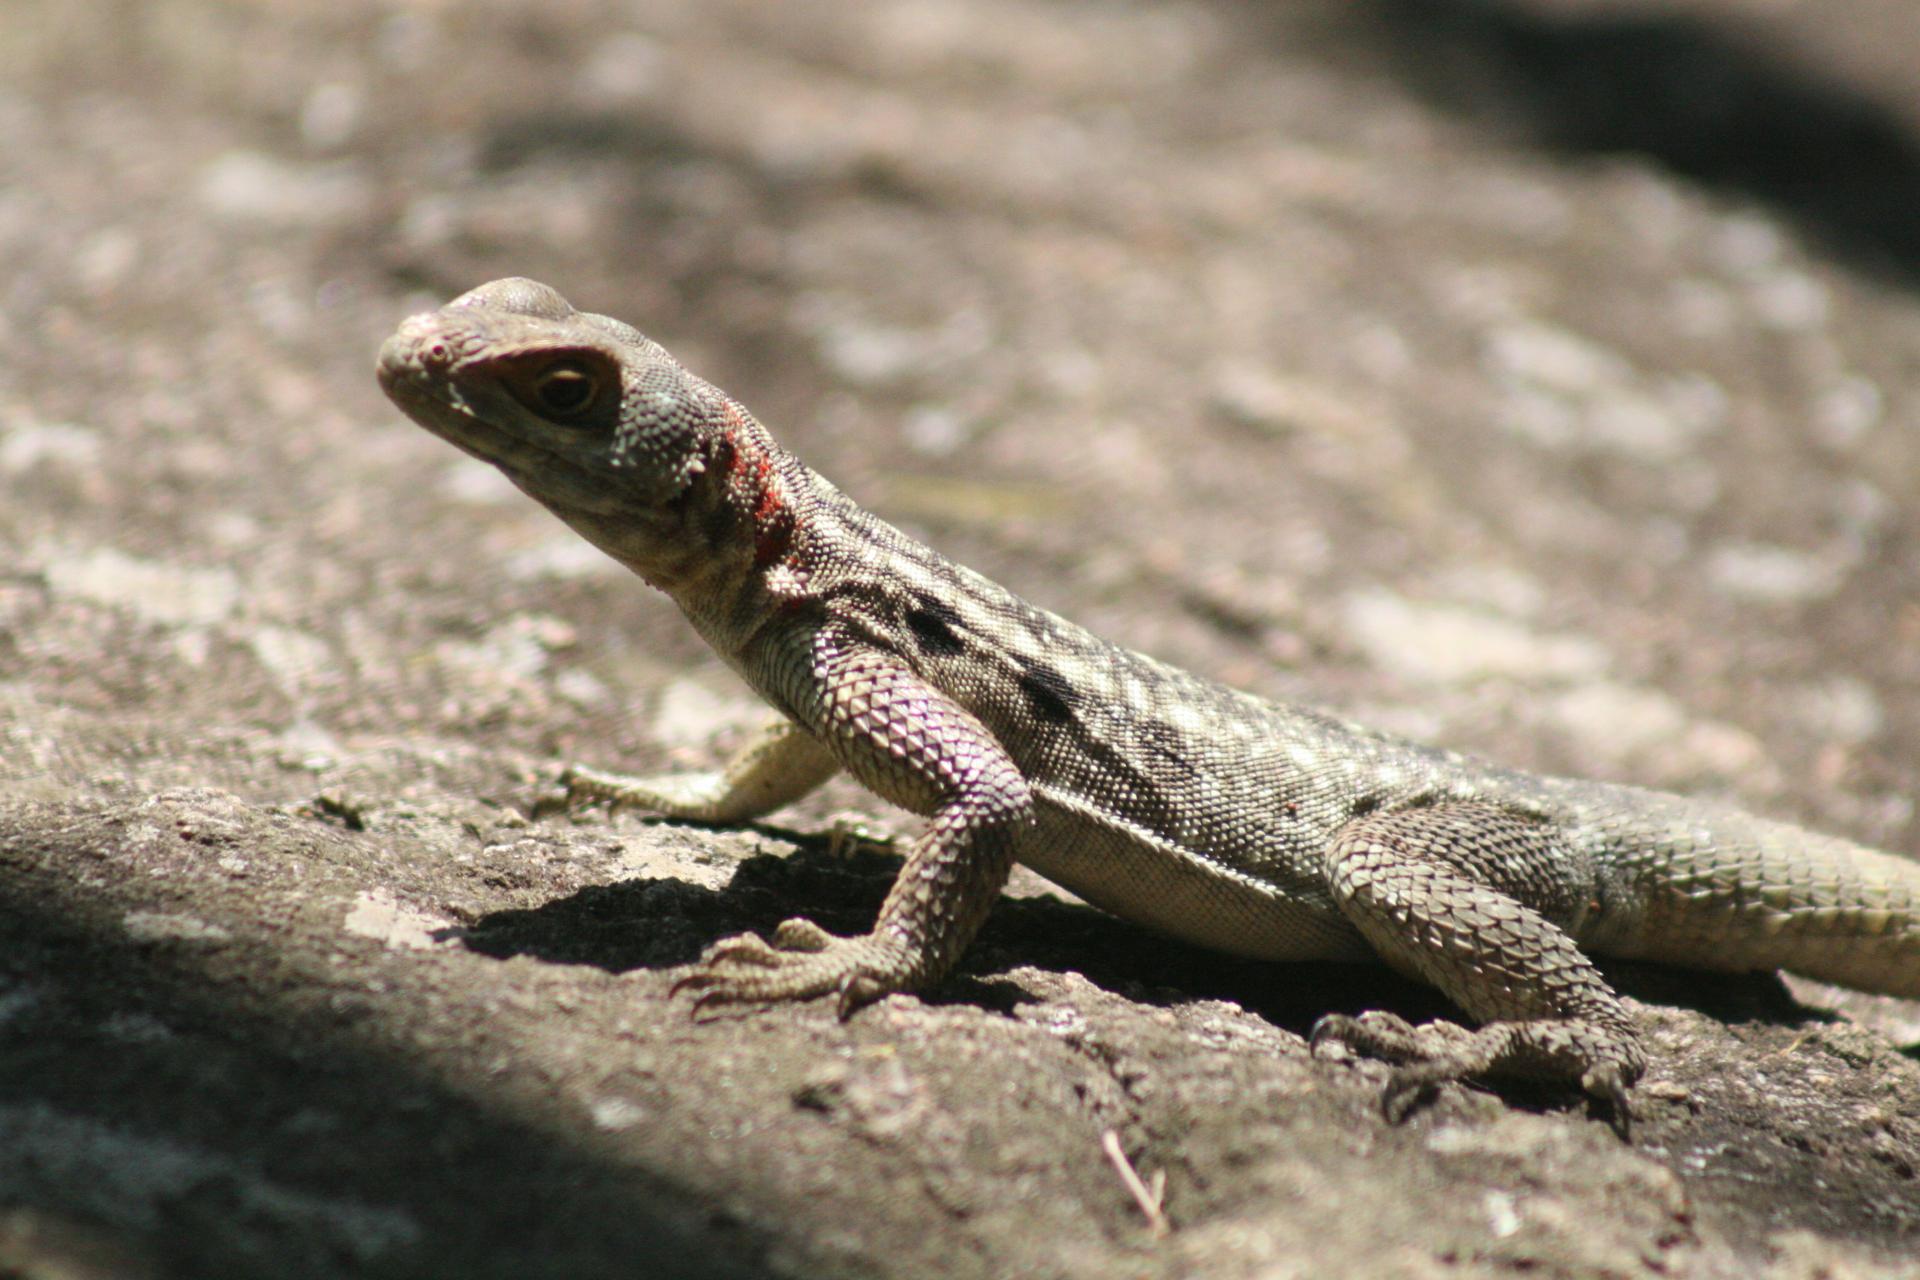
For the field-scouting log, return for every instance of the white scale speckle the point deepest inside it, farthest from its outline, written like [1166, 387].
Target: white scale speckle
[1187, 717]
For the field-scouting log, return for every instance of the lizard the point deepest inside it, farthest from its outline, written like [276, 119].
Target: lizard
[1266, 830]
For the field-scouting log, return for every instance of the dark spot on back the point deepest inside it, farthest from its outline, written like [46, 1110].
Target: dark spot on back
[1048, 693]
[935, 626]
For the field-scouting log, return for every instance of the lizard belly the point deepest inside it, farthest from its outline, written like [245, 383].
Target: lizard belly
[1140, 876]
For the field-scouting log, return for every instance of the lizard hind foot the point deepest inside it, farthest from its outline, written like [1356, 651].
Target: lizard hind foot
[802, 962]
[1603, 1063]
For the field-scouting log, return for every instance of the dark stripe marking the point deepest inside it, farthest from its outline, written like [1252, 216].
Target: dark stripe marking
[1048, 692]
[935, 625]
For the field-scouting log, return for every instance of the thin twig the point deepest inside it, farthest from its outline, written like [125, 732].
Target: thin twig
[1148, 1198]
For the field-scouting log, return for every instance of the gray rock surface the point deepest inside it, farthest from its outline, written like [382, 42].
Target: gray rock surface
[1538, 377]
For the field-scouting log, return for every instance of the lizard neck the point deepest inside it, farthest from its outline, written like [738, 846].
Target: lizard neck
[737, 551]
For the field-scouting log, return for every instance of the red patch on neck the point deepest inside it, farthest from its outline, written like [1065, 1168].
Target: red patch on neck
[773, 524]
[751, 475]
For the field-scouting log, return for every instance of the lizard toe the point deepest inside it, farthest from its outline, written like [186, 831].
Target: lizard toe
[742, 949]
[1609, 1083]
[1374, 1034]
[1408, 1089]
[804, 961]
[1601, 1061]
[801, 934]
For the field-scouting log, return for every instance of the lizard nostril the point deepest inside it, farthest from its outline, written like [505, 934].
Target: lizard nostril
[425, 339]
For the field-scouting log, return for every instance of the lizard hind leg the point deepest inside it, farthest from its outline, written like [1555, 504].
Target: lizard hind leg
[1466, 897]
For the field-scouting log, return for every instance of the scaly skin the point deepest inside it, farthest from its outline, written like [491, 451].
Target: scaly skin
[1266, 830]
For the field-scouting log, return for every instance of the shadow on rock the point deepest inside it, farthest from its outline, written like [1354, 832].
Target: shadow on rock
[661, 923]
[189, 1113]
[665, 923]
[1706, 100]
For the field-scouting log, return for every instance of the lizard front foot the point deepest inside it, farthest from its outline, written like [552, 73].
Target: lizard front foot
[803, 961]
[1603, 1063]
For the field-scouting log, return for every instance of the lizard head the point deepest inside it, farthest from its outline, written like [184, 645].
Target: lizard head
[588, 416]
[575, 408]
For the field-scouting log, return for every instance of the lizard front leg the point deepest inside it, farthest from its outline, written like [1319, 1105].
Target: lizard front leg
[911, 744]
[1465, 896]
[777, 766]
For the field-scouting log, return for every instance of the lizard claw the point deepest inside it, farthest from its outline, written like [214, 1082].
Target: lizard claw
[1328, 1030]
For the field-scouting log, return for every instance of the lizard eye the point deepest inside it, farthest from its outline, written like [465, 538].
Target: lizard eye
[565, 387]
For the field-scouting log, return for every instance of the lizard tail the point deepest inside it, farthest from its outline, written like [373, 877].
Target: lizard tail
[1721, 889]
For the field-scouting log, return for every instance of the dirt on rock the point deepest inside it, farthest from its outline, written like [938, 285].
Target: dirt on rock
[1541, 378]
